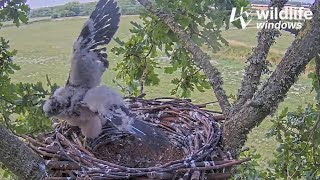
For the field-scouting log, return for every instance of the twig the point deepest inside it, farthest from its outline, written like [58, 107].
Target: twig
[63, 165]
[7, 122]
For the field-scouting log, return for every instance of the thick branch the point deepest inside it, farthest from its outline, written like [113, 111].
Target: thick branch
[257, 61]
[200, 58]
[19, 158]
[265, 101]
[317, 68]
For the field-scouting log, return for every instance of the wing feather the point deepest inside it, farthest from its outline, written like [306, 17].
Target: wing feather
[89, 59]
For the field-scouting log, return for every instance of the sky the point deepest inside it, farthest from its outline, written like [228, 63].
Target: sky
[306, 1]
[46, 3]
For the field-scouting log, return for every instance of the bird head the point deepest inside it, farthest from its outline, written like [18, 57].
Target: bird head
[57, 102]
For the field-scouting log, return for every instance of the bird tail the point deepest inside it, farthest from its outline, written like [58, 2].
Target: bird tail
[149, 135]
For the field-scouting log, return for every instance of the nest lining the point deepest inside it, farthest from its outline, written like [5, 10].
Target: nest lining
[195, 151]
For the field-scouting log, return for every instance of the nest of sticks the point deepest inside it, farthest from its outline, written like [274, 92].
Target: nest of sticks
[195, 152]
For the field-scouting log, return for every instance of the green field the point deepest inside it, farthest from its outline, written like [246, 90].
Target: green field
[45, 48]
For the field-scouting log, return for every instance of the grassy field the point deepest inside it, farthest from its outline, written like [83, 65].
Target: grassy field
[45, 48]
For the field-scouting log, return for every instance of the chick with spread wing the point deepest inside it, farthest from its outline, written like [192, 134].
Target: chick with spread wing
[83, 102]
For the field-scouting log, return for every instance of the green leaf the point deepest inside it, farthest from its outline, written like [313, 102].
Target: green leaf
[175, 81]
[169, 70]
[159, 2]
[120, 42]
[284, 113]
[23, 17]
[200, 88]
[185, 21]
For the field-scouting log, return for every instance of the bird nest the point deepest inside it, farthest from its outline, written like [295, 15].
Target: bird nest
[193, 132]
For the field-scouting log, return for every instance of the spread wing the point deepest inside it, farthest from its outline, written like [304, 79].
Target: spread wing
[89, 59]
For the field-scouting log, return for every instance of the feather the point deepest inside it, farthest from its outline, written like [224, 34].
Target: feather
[110, 106]
[149, 135]
[89, 60]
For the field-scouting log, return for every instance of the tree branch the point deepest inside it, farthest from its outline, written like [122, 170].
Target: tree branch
[317, 68]
[19, 158]
[145, 70]
[257, 60]
[201, 59]
[265, 101]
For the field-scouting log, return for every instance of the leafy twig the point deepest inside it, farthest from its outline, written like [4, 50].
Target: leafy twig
[200, 58]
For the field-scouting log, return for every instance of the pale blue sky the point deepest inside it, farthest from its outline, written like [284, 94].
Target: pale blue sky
[45, 3]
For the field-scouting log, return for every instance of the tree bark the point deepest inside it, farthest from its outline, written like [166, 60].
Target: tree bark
[19, 158]
[266, 100]
[258, 61]
[200, 58]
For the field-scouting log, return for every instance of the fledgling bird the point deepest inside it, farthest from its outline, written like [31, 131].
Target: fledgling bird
[83, 102]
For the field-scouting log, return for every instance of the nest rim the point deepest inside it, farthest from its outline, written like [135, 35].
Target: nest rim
[204, 156]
